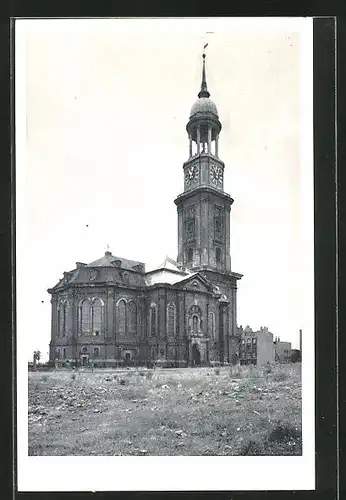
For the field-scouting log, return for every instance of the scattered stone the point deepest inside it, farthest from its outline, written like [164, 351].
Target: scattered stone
[164, 386]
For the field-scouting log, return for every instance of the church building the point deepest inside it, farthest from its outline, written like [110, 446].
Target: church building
[182, 313]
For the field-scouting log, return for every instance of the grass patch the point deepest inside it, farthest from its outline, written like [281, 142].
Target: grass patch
[195, 411]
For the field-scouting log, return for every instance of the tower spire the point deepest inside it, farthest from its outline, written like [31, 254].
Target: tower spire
[204, 89]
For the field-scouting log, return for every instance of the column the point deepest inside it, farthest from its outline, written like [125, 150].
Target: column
[217, 146]
[190, 146]
[198, 140]
[109, 327]
[209, 139]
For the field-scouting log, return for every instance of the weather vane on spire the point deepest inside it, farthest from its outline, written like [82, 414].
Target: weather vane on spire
[205, 46]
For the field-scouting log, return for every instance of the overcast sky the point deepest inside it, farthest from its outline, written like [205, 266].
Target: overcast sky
[102, 141]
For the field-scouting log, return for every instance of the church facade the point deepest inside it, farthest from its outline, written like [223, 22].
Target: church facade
[183, 312]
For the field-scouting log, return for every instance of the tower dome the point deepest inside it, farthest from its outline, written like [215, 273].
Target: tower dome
[205, 106]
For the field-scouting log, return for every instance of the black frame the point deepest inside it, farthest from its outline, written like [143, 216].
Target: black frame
[325, 263]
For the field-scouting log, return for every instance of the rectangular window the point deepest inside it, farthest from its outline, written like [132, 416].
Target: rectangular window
[96, 352]
[190, 229]
[190, 212]
[64, 353]
[217, 211]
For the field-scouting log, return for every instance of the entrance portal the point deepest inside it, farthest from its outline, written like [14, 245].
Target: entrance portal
[84, 360]
[196, 355]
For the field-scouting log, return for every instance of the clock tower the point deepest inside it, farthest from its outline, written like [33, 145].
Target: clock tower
[204, 208]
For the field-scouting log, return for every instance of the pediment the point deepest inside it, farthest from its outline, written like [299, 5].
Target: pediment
[196, 283]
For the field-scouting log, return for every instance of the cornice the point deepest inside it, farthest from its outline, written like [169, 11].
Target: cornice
[202, 190]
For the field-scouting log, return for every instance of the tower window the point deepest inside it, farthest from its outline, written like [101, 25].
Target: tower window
[190, 255]
[218, 254]
[190, 229]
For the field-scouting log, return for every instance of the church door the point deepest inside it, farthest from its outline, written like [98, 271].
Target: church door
[196, 355]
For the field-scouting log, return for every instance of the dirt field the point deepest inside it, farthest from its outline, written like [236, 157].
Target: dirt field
[194, 411]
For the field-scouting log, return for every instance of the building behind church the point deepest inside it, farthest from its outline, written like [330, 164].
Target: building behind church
[184, 311]
[256, 347]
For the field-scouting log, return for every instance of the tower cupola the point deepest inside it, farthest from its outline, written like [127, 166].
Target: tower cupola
[204, 126]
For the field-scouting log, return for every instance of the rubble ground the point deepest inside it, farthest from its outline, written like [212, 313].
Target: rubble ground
[191, 411]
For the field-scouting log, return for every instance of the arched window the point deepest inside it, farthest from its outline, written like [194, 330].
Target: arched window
[212, 325]
[171, 320]
[195, 319]
[153, 319]
[121, 315]
[217, 254]
[132, 318]
[190, 255]
[97, 316]
[85, 317]
[62, 318]
[195, 323]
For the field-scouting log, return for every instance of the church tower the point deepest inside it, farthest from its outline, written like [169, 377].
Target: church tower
[204, 208]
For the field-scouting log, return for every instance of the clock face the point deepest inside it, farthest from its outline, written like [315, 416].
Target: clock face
[191, 174]
[216, 174]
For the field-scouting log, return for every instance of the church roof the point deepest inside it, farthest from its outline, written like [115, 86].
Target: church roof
[164, 276]
[167, 263]
[166, 272]
[109, 260]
